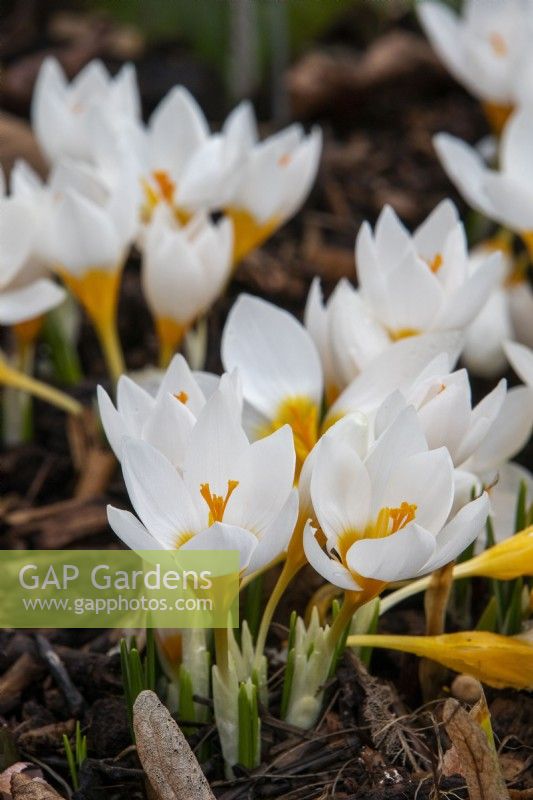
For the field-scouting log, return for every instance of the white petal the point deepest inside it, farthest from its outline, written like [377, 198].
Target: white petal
[275, 539]
[157, 493]
[511, 201]
[466, 170]
[340, 488]
[20, 305]
[460, 532]
[394, 558]
[274, 354]
[483, 352]
[509, 432]
[85, 237]
[462, 305]
[443, 28]
[400, 440]
[396, 368]
[131, 531]
[224, 537]
[425, 479]
[330, 569]
[179, 378]
[217, 452]
[482, 418]
[134, 404]
[168, 428]
[266, 483]
[521, 358]
[430, 237]
[177, 128]
[114, 424]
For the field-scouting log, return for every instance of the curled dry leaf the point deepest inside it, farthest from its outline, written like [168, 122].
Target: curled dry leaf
[25, 788]
[19, 766]
[476, 759]
[167, 759]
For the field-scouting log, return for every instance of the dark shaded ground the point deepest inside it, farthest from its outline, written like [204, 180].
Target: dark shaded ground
[379, 114]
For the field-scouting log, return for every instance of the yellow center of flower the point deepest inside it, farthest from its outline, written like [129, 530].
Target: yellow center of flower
[170, 334]
[248, 233]
[403, 333]
[497, 115]
[160, 187]
[215, 502]
[388, 521]
[301, 413]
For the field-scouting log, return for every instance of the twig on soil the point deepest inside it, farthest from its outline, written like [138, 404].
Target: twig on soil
[73, 697]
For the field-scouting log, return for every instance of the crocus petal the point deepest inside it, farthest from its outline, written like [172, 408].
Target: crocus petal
[168, 428]
[133, 403]
[157, 493]
[276, 538]
[511, 201]
[483, 351]
[266, 483]
[131, 531]
[224, 537]
[509, 433]
[176, 128]
[114, 424]
[20, 305]
[459, 533]
[330, 569]
[217, 452]
[274, 354]
[463, 304]
[466, 170]
[394, 558]
[400, 440]
[340, 488]
[521, 359]
[425, 479]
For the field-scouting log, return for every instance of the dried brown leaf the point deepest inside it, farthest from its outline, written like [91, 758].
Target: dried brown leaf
[26, 788]
[478, 762]
[167, 759]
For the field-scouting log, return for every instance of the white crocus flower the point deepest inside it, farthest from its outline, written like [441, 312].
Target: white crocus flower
[229, 494]
[282, 375]
[273, 183]
[385, 517]
[419, 283]
[504, 195]
[485, 48]
[507, 314]
[447, 418]
[179, 162]
[165, 419]
[184, 271]
[61, 111]
[88, 242]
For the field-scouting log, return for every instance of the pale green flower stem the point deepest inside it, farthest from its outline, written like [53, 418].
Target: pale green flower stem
[18, 380]
[290, 569]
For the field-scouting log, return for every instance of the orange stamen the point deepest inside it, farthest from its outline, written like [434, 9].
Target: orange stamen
[215, 502]
[182, 397]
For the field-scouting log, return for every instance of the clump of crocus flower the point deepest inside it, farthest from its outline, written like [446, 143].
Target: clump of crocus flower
[350, 442]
